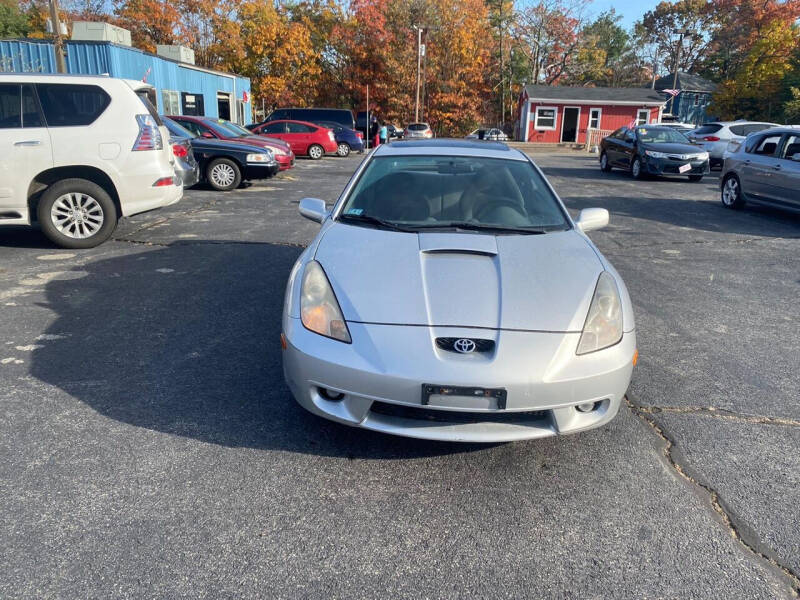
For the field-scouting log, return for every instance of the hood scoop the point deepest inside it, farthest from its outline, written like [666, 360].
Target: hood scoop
[457, 243]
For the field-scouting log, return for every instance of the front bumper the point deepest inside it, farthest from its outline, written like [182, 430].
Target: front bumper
[381, 375]
[285, 161]
[669, 166]
[260, 171]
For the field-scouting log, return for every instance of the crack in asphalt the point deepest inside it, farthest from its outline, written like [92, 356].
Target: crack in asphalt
[717, 504]
[721, 413]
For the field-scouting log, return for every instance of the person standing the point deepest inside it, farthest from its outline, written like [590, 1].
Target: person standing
[383, 133]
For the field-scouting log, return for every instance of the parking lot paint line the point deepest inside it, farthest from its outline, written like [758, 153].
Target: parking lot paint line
[738, 531]
[721, 413]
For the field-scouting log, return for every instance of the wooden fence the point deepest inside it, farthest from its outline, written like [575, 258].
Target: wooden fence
[594, 136]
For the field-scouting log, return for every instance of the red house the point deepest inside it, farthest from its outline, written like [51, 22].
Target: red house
[554, 114]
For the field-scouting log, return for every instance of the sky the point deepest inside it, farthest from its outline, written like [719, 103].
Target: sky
[630, 10]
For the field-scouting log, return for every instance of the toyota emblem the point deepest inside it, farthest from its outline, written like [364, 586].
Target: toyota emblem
[464, 346]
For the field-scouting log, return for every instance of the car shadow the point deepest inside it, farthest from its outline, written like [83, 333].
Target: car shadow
[184, 340]
[24, 236]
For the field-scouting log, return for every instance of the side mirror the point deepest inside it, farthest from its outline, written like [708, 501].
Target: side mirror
[207, 135]
[591, 219]
[314, 209]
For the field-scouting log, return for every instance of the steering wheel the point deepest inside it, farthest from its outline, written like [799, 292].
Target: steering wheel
[494, 203]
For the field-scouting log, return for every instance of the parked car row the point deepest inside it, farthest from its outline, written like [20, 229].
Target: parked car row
[761, 162]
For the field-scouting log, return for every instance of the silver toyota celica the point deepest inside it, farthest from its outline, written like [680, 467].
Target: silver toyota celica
[449, 296]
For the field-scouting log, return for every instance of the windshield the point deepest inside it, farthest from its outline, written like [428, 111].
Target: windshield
[445, 192]
[418, 127]
[176, 129]
[661, 135]
[234, 129]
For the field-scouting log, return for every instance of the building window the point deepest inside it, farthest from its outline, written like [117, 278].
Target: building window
[192, 105]
[697, 99]
[594, 118]
[642, 116]
[170, 102]
[545, 117]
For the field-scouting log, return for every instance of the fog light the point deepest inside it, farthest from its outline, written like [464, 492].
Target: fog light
[330, 394]
[587, 407]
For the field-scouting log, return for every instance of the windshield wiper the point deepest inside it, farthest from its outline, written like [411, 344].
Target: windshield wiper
[482, 227]
[369, 219]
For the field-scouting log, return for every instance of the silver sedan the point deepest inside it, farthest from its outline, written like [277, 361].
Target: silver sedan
[449, 296]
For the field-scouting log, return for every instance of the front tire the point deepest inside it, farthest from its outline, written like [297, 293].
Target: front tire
[636, 169]
[605, 166]
[223, 174]
[343, 150]
[76, 214]
[731, 194]
[315, 151]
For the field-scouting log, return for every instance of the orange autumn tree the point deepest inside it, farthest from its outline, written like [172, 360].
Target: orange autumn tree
[275, 52]
[151, 22]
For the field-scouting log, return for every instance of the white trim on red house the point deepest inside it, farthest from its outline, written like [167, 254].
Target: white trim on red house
[599, 118]
[577, 124]
[597, 102]
[536, 118]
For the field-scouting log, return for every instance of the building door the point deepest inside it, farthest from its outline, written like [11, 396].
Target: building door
[569, 124]
[224, 106]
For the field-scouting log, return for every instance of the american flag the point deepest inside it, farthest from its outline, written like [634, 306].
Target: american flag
[672, 92]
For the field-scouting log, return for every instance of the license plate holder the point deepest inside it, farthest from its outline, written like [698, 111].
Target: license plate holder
[431, 389]
[684, 168]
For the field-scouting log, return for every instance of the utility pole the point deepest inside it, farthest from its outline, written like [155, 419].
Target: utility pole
[502, 71]
[423, 49]
[419, 44]
[61, 63]
[681, 32]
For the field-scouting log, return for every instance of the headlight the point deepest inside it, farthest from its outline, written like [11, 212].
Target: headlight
[704, 155]
[654, 154]
[603, 327]
[319, 310]
[259, 158]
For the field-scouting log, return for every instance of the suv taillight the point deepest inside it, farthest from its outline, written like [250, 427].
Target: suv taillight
[710, 138]
[360, 135]
[180, 150]
[149, 137]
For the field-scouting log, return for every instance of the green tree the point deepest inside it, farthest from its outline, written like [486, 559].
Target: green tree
[13, 22]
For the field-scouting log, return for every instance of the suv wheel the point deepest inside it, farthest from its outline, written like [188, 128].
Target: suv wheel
[76, 213]
[343, 149]
[605, 166]
[316, 151]
[732, 192]
[223, 174]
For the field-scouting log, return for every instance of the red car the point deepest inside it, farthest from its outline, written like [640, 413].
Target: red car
[210, 128]
[304, 137]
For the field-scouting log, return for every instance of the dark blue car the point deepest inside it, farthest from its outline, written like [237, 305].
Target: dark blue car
[346, 139]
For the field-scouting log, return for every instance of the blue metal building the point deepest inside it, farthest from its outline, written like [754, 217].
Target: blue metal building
[691, 104]
[180, 88]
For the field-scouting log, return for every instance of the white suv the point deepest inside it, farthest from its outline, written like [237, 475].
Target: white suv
[79, 152]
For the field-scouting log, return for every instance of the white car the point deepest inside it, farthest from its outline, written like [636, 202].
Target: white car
[79, 152]
[717, 138]
[474, 309]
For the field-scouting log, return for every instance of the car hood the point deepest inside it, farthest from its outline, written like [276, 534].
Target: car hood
[524, 282]
[199, 143]
[673, 148]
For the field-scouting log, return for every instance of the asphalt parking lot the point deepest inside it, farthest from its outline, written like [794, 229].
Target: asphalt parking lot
[151, 449]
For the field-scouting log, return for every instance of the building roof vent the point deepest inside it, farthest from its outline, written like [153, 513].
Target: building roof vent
[100, 32]
[178, 53]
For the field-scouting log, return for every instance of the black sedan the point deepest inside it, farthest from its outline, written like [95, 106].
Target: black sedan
[653, 150]
[224, 165]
